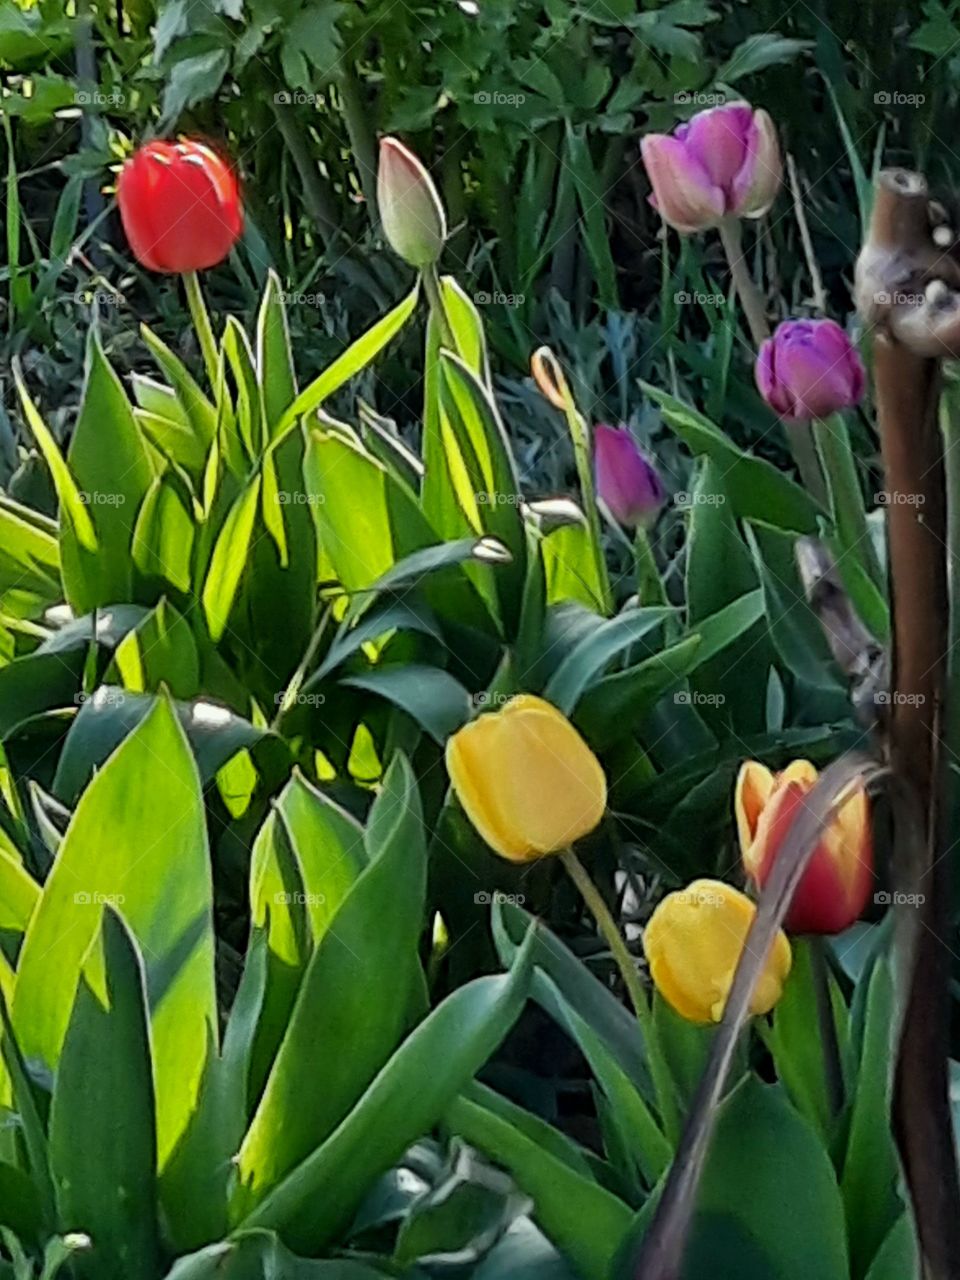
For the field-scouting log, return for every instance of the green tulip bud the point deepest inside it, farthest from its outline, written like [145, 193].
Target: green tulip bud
[413, 218]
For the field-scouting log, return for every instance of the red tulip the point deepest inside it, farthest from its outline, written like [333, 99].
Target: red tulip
[180, 206]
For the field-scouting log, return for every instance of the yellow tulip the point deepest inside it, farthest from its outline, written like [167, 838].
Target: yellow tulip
[693, 942]
[526, 778]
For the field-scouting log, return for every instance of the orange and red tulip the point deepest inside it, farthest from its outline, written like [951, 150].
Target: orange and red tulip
[836, 885]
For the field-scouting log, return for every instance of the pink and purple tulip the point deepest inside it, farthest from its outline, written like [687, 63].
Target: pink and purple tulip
[724, 163]
[809, 369]
[627, 481]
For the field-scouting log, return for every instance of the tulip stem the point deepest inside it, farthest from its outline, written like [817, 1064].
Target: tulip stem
[798, 433]
[662, 1081]
[830, 1044]
[431, 286]
[202, 325]
[650, 588]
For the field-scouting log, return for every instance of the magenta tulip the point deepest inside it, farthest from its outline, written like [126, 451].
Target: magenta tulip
[723, 163]
[627, 481]
[809, 369]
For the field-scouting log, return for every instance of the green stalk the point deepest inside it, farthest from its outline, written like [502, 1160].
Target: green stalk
[431, 287]
[662, 1081]
[202, 325]
[798, 434]
[650, 588]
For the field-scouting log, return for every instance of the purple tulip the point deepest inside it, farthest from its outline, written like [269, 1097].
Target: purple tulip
[627, 481]
[723, 163]
[809, 369]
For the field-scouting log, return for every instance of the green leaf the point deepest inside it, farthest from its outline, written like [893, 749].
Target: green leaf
[193, 80]
[348, 364]
[229, 560]
[592, 1236]
[898, 1256]
[768, 1203]
[355, 995]
[102, 1118]
[587, 659]
[611, 708]
[19, 894]
[274, 358]
[758, 490]
[591, 196]
[430, 695]
[794, 628]
[72, 508]
[599, 1008]
[870, 1175]
[195, 409]
[163, 535]
[757, 52]
[409, 1096]
[29, 560]
[158, 876]
[110, 460]
[110, 714]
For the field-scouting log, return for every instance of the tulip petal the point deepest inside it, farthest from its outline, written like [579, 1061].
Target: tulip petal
[683, 192]
[755, 187]
[554, 789]
[754, 787]
[469, 755]
[693, 943]
[719, 140]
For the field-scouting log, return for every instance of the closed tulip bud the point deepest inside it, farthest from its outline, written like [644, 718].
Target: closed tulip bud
[693, 942]
[724, 163]
[527, 780]
[836, 884]
[410, 209]
[179, 205]
[627, 482]
[809, 369]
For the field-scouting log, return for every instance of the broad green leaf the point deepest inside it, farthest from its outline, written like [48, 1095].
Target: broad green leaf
[612, 706]
[29, 560]
[274, 359]
[430, 695]
[110, 714]
[163, 535]
[157, 874]
[870, 1175]
[36, 683]
[588, 658]
[591, 1236]
[757, 489]
[366, 519]
[110, 460]
[229, 560]
[19, 894]
[254, 1255]
[410, 1095]
[355, 994]
[73, 510]
[160, 652]
[794, 628]
[768, 1202]
[571, 567]
[897, 1258]
[103, 1147]
[195, 408]
[596, 1004]
[348, 364]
